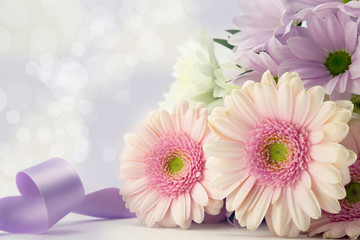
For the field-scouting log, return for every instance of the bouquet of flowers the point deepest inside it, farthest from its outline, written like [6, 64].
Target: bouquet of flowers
[273, 133]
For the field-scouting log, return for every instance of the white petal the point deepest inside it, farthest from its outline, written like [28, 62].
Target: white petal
[224, 149]
[226, 129]
[259, 211]
[316, 98]
[345, 173]
[316, 137]
[225, 165]
[325, 111]
[301, 108]
[340, 115]
[243, 192]
[300, 219]
[307, 200]
[162, 207]
[166, 121]
[327, 203]
[168, 220]
[134, 186]
[284, 103]
[352, 229]
[335, 131]
[345, 104]
[276, 195]
[178, 209]
[146, 134]
[336, 191]
[132, 169]
[199, 194]
[187, 205]
[197, 212]
[305, 179]
[280, 215]
[179, 114]
[214, 206]
[324, 172]
[260, 104]
[189, 120]
[198, 129]
[328, 152]
[149, 201]
[245, 106]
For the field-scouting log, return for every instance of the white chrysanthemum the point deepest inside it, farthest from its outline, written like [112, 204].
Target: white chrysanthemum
[199, 76]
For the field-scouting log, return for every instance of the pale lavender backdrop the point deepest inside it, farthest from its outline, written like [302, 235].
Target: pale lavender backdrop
[76, 75]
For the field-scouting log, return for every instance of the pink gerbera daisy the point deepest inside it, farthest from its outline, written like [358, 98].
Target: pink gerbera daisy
[279, 154]
[163, 166]
[347, 221]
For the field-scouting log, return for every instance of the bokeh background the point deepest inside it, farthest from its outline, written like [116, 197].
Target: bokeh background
[75, 76]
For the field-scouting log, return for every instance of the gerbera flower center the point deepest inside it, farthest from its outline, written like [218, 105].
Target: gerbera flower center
[350, 205]
[353, 192]
[174, 164]
[277, 152]
[338, 62]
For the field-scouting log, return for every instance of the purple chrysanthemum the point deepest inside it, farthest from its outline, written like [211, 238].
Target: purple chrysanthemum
[326, 54]
[258, 25]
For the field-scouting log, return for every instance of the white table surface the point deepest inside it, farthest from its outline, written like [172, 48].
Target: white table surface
[81, 227]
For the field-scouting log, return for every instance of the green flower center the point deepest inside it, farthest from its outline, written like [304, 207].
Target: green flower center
[276, 78]
[176, 164]
[353, 192]
[346, 1]
[277, 152]
[355, 99]
[338, 62]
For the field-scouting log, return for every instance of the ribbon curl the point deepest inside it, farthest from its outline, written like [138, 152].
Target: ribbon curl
[51, 190]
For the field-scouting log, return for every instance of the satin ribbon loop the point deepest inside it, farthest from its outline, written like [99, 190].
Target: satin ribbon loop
[50, 191]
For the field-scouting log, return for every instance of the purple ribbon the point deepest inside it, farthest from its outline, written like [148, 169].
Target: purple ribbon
[49, 192]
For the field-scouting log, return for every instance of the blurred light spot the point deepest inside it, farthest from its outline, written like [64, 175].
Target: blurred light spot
[131, 59]
[110, 154]
[19, 96]
[3, 99]
[76, 129]
[142, 7]
[23, 135]
[123, 96]
[32, 68]
[13, 116]
[56, 150]
[5, 149]
[85, 107]
[133, 23]
[150, 47]
[82, 145]
[44, 135]
[54, 109]
[198, 7]
[46, 60]
[13, 13]
[124, 12]
[109, 41]
[9, 168]
[98, 67]
[67, 103]
[77, 49]
[80, 156]
[5, 39]
[43, 40]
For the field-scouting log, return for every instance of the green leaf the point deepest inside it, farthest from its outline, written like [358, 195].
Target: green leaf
[232, 31]
[223, 42]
